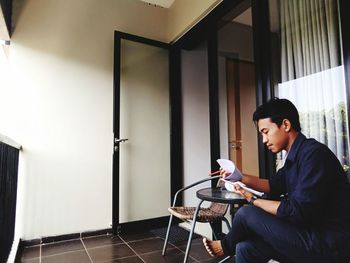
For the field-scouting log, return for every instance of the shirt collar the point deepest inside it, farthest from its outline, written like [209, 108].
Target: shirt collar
[295, 146]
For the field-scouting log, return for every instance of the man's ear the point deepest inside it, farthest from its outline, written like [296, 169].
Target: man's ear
[287, 126]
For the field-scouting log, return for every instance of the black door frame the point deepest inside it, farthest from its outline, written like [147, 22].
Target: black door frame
[263, 72]
[344, 7]
[176, 162]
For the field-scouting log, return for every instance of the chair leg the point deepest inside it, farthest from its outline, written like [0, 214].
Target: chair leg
[227, 223]
[214, 230]
[188, 247]
[224, 260]
[167, 235]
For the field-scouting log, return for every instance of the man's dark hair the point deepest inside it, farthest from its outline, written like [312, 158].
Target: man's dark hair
[278, 110]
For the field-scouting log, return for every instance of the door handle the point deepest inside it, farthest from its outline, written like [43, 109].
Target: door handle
[116, 140]
[237, 145]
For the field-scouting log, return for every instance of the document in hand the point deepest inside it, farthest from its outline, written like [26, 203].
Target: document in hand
[235, 176]
[230, 168]
[242, 185]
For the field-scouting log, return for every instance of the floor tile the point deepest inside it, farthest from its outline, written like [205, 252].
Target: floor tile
[184, 243]
[127, 237]
[99, 241]
[216, 260]
[31, 253]
[149, 245]
[172, 255]
[60, 247]
[110, 252]
[70, 257]
[176, 234]
[35, 260]
[133, 259]
[197, 250]
[112, 249]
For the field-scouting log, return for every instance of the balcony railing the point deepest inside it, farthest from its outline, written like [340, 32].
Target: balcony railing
[9, 154]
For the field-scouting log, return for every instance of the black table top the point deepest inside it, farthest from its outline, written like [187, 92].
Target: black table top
[220, 195]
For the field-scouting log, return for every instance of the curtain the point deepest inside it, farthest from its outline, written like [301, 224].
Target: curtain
[8, 193]
[311, 71]
[309, 37]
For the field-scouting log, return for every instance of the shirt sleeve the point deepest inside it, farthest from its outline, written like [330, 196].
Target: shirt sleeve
[304, 204]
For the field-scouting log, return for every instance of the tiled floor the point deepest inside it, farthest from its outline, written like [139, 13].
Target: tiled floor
[126, 248]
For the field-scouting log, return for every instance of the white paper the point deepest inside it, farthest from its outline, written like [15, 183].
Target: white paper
[230, 167]
[242, 185]
[235, 175]
[233, 195]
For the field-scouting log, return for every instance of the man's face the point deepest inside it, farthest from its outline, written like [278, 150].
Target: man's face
[275, 138]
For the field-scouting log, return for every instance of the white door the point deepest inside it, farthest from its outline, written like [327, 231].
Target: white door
[142, 116]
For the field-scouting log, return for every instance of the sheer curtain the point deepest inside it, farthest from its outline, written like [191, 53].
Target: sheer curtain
[312, 72]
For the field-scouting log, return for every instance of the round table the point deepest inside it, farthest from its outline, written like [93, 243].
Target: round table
[220, 195]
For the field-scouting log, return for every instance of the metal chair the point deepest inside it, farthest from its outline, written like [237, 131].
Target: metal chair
[214, 213]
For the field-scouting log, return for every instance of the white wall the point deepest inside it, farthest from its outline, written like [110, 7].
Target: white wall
[195, 107]
[59, 107]
[196, 133]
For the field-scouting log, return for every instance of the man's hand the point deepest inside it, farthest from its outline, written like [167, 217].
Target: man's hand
[224, 174]
[247, 195]
[269, 206]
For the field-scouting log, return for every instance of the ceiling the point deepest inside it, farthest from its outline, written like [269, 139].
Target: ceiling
[243, 18]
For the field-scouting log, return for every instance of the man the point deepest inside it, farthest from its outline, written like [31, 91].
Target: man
[308, 218]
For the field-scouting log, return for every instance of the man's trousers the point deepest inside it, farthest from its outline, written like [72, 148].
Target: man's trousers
[257, 236]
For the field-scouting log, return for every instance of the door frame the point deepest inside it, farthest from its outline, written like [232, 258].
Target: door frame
[176, 158]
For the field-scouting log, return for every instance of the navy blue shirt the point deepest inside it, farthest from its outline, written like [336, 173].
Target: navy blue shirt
[316, 190]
